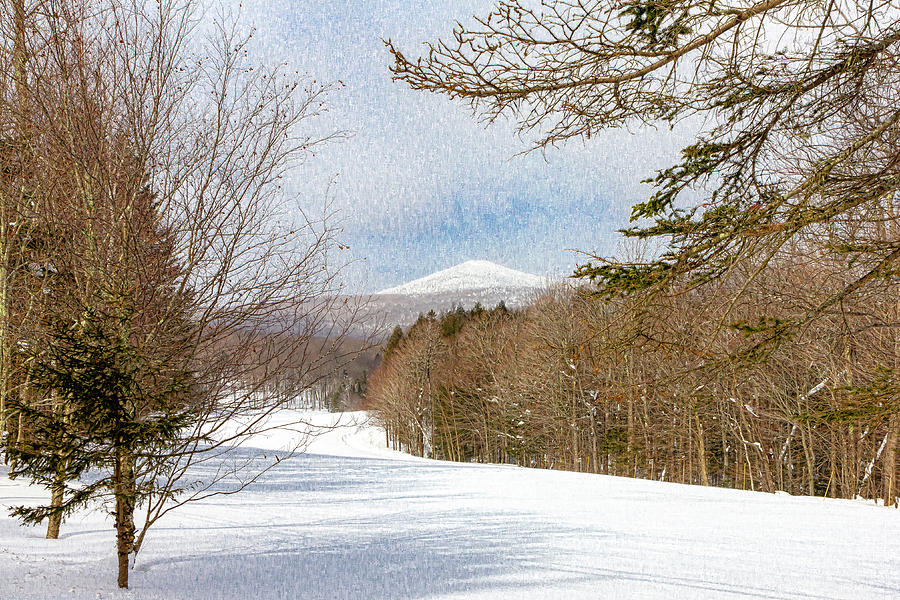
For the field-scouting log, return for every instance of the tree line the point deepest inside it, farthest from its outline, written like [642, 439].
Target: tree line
[581, 382]
[160, 293]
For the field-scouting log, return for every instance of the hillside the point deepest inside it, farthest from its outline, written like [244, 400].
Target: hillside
[470, 276]
[475, 281]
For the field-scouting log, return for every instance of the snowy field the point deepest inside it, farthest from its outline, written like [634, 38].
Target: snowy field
[350, 519]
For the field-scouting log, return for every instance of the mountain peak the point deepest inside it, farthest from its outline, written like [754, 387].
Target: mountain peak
[470, 275]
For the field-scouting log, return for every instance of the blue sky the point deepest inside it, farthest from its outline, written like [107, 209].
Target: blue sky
[420, 183]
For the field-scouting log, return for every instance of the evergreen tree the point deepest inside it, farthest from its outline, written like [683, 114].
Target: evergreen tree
[452, 322]
[111, 381]
[393, 342]
[122, 411]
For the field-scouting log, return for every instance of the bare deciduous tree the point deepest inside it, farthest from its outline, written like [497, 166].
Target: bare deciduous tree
[237, 287]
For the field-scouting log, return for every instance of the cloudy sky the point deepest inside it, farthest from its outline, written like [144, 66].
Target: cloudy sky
[420, 183]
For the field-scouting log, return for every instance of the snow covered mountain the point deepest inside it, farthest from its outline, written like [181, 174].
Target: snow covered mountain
[469, 276]
[474, 281]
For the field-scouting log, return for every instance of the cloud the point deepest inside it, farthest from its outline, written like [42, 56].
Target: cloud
[421, 184]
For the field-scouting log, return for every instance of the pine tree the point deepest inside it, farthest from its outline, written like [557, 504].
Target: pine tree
[391, 346]
[122, 412]
[113, 371]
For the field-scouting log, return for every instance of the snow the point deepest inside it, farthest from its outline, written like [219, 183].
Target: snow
[470, 275]
[351, 519]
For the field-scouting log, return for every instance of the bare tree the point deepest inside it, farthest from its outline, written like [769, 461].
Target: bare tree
[237, 285]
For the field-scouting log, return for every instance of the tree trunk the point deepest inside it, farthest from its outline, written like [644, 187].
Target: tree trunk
[59, 478]
[701, 453]
[123, 480]
[595, 454]
[749, 469]
[8, 208]
[629, 447]
[56, 499]
[809, 454]
[889, 464]
[574, 430]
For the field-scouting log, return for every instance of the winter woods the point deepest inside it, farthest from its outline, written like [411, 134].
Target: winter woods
[758, 347]
[615, 386]
[156, 282]
[161, 294]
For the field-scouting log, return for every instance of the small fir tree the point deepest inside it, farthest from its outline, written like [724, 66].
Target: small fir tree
[123, 410]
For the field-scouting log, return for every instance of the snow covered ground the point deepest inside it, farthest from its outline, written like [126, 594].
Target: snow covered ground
[350, 519]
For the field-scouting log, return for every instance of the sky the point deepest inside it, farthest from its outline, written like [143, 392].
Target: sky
[419, 182]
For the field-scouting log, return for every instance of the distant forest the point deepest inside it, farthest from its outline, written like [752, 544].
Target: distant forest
[654, 390]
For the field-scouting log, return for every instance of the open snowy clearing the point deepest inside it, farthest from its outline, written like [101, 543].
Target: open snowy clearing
[350, 519]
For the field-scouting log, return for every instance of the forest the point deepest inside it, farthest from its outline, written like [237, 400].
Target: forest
[748, 337]
[623, 387]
